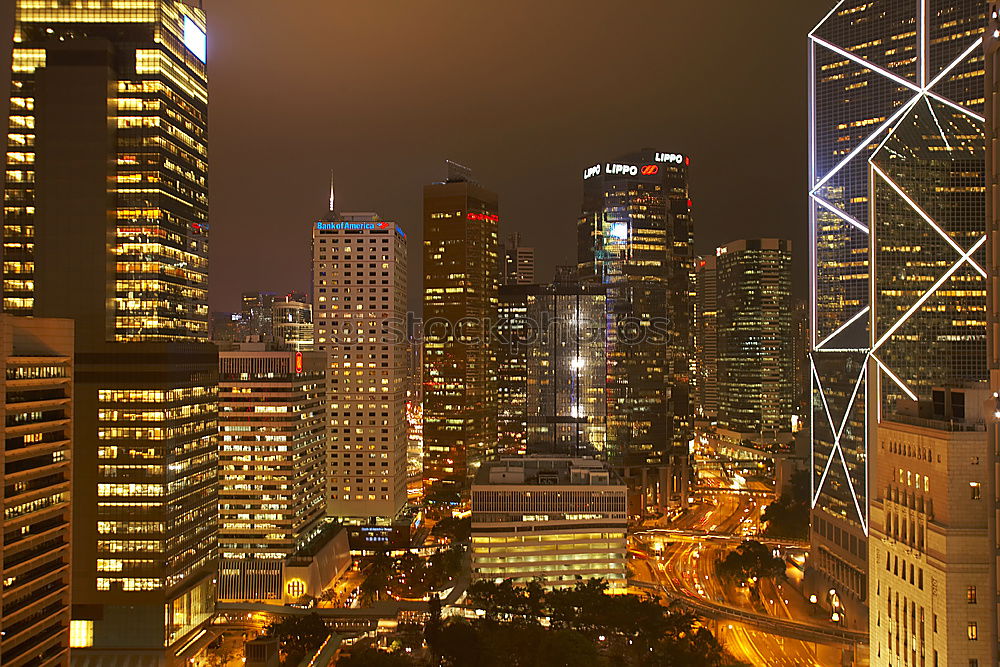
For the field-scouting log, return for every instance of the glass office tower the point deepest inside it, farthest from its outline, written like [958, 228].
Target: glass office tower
[896, 97]
[636, 238]
[106, 208]
[754, 320]
[553, 369]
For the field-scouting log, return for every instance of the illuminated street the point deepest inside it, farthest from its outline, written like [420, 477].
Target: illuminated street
[684, 564]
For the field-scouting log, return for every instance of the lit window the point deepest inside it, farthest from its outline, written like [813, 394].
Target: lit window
[81, 634]
[296, 588]
[977, 490]
[970, 595]
[973, 632]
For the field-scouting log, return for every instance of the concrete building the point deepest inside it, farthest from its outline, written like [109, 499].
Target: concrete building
[991, 109]
[359, 278]
[553, 518]
[103, 95]
[461, 282]
[272, 454]
[931, 547]
[36, 475]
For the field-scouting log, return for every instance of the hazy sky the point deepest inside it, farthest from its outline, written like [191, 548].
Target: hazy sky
[526, 92]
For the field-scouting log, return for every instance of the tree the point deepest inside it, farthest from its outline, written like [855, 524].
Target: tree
[460, 643]
[789, 516]
[433, 627]
[456, 530]
[372, 657]
[566, 648]
[751, 560]
[298, 635]
[376, 578]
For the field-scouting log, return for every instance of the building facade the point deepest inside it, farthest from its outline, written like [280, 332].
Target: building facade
[754, 328]
[553, 369]
[258, 313]
[931, 548]
[706, 339]
[272, 455]
[110, 95]
[518, 262]
[636, 238]
[549, 518]
[461, 283]
[36, 475]
[359, 278]
[292, 324]
[896, 244]
[991, 110]
[512, 349]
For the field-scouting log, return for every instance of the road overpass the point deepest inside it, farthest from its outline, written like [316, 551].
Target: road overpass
[776, 626]
[681, 535]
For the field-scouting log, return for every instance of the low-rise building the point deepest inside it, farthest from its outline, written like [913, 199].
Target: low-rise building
[549, 518]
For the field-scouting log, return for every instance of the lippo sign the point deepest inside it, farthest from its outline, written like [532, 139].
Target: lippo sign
[617, 169]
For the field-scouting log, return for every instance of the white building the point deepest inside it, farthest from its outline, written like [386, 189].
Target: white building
[359, 288]
[930, 549]
[553, 518]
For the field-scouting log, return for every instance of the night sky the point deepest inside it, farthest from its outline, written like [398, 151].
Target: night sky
[525, 92]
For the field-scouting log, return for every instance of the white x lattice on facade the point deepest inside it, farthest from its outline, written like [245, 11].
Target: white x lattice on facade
[922, 92]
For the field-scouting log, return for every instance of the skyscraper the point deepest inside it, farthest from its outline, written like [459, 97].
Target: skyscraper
[106, 209]
[359, 279]
[461, 279]
[635, 237]
[272, 455]
[514, 330]
[258, 313]
[35, 473]
[518, 262]
[553, 368]
[800, 354]
[755, 336]
[896, 178]
[706, 338]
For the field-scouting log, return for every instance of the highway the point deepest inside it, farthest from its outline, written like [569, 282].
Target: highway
[684, 566]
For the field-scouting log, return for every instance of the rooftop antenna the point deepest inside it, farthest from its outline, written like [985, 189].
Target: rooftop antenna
[333, 192]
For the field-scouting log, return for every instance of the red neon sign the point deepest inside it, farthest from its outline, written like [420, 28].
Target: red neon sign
[484, 217]
[298, 362]
[650, 170]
